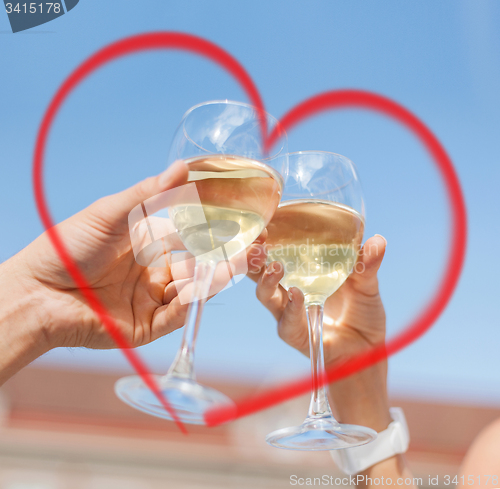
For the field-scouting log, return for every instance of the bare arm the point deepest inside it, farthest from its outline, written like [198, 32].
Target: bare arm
[22, 328]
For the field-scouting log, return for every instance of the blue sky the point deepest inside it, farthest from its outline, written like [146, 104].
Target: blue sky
[441, 60]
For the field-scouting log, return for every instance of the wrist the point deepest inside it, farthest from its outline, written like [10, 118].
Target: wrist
[22, 322]
[379, 456]
[362, 399]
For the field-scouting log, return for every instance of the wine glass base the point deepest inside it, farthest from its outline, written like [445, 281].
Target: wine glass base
[321, 434]
[187, 398]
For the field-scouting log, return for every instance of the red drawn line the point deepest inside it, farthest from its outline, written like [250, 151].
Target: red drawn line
[143, 42]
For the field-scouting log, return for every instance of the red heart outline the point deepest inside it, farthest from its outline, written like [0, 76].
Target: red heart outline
[326, 101]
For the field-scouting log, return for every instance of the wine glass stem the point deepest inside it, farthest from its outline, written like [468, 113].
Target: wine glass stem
[183, 365]
[319, 406]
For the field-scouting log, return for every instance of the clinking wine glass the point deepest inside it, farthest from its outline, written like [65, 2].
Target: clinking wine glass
[237, 190]
[315, 235]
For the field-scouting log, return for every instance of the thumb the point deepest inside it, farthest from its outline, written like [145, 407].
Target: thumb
[116, 208]
[370, 258]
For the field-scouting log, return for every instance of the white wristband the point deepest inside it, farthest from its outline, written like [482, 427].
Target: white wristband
[395, 439]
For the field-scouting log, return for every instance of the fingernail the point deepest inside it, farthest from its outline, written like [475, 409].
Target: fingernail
[167, 175]
[260, 240]
[270, 269]
[290, 295]
[380, 236]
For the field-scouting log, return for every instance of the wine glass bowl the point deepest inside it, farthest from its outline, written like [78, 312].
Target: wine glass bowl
[323, 176]
[230, 128]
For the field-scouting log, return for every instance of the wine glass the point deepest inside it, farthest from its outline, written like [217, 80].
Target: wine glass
[315, 235]
[237, 188]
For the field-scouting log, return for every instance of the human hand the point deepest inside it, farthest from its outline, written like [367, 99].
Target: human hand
[354, 321]
[354, 317]
[97, 238]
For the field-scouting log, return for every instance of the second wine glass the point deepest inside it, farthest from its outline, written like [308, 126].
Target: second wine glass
[237, 190]
[315, 235]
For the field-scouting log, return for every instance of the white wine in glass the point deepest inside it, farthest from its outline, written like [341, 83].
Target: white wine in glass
[319, 264]
[238, 196]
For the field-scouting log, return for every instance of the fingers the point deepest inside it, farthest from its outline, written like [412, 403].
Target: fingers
[262, 237]
[168, 318]
[269, 292]
[165, 227]
[174, 176]
[116, 208]
[287, 307]
[293, 325]
[257, 256]
[364, 277]
[256, 261]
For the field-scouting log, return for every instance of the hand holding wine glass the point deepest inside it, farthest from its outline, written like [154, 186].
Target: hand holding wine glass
[41, 308]
[354, 317]
[314, 238]
[354, 320]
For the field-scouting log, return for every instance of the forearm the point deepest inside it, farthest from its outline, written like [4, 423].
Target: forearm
[362, 399]
[22, 337]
